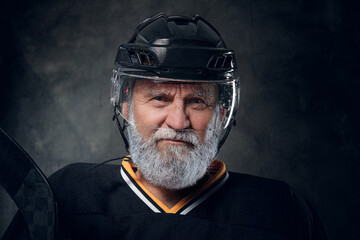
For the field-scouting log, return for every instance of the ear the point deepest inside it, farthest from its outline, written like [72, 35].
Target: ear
[125, 110]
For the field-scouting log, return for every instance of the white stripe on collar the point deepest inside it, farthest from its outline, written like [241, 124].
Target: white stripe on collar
[137, 192]
[207, 195]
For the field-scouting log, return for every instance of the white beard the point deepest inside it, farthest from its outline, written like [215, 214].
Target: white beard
[180, 166]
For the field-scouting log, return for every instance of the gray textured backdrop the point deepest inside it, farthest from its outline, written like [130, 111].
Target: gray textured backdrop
[298, 62]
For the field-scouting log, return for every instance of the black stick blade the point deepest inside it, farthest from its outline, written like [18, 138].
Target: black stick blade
[28, 187]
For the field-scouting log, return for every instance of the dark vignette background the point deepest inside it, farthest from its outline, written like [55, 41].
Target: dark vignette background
[298, 61]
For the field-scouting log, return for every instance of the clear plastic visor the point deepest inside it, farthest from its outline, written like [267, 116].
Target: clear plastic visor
[151, 103]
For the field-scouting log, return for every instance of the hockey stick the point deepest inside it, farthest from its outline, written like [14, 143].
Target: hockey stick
[28, 188]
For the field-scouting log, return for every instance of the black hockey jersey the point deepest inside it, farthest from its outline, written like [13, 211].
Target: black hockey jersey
[109, 202]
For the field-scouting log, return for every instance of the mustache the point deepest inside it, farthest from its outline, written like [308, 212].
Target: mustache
[171, 134]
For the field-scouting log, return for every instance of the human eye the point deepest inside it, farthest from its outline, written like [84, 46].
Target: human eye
[159, 100]
[196, 103]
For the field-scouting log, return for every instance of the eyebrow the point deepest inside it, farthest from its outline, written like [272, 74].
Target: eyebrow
[202, 91]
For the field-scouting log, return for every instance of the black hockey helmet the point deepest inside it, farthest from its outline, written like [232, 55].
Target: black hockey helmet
[176, 49]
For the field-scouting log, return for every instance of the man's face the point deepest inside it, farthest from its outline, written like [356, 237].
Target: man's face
[173, 106]
[173, 131]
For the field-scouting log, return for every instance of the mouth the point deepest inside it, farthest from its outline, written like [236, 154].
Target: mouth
[174, 142]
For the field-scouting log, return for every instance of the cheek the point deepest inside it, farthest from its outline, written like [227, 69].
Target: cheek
[147, 120]
[148, 117]
[199, 121]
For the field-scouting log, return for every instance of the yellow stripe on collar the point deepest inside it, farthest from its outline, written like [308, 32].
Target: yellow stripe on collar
[217, 169]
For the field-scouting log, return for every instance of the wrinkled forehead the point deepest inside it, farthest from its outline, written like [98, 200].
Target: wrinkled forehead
[183, 89]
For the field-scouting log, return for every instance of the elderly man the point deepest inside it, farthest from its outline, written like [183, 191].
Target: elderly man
[175, 95]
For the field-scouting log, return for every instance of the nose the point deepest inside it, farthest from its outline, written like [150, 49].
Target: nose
[177, 118]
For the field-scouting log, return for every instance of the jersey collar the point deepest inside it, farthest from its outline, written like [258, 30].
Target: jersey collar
[218, 177]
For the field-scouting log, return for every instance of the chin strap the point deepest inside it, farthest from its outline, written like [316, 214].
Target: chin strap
[121, 128]
[225, 136]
